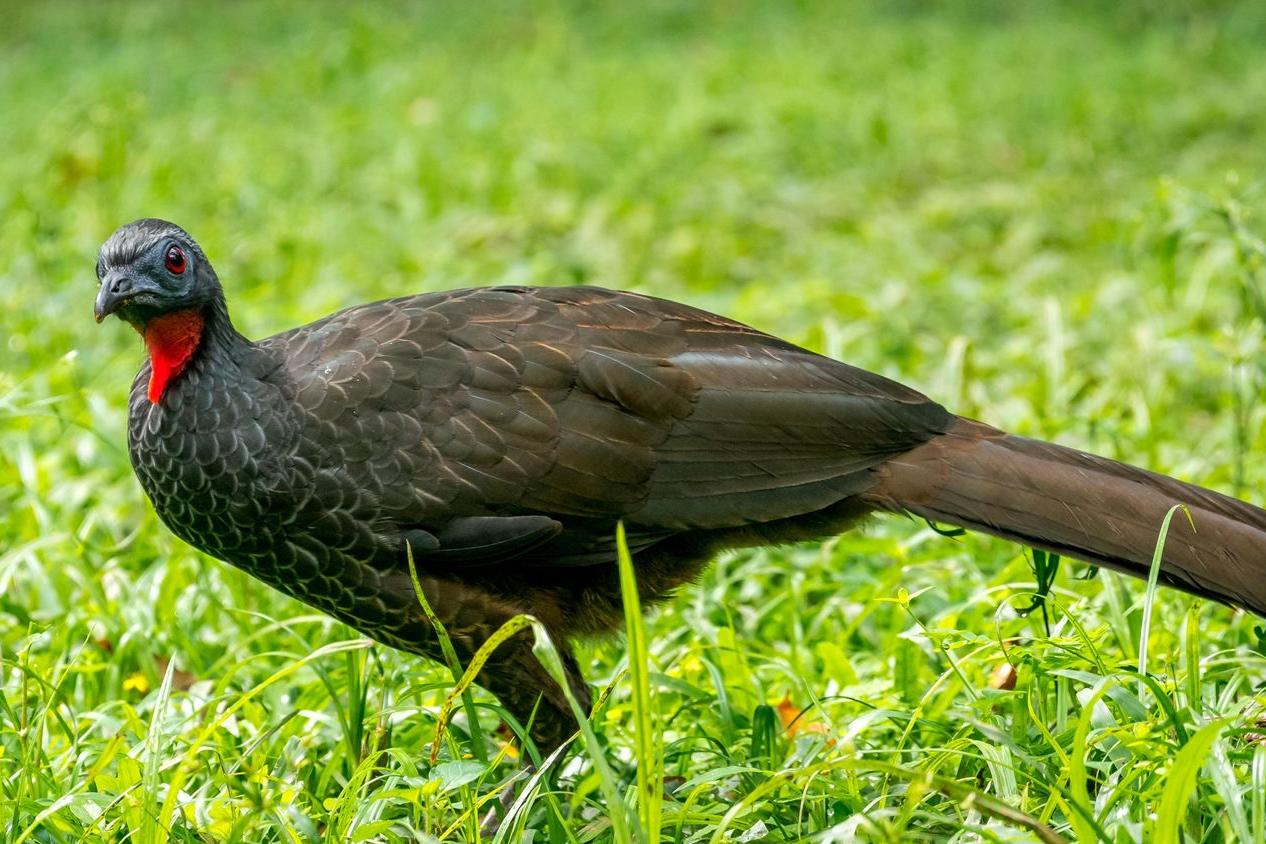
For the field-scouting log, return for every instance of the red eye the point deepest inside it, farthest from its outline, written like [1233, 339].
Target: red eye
[175, 260]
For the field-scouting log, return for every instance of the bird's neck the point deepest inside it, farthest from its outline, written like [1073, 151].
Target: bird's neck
[172, 339]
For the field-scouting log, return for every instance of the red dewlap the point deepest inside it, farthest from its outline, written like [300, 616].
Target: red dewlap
[170, 340]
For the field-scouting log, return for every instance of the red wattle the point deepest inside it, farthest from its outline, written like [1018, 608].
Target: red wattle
[170, 340]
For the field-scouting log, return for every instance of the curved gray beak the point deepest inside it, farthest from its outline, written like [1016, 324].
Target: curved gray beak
[116, 288]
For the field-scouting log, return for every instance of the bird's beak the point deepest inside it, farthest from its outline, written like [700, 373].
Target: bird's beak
[116, 288]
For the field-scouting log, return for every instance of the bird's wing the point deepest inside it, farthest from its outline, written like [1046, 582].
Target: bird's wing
[587, 405]
[686, 420]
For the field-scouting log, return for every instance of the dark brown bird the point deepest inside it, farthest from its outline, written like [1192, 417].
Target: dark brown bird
[502, 432]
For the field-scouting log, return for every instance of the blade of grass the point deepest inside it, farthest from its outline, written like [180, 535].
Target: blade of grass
[1257, 787]
[626, 827]
[1180, 784]
[1222, 773]
[477, 748]
[151, 833]
[648, 751]
[461, 690]
[1191, 655]
[351, 799]
[1153, 577]
[1082, 815]
[527, 795]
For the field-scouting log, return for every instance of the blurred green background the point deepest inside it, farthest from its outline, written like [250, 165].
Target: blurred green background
[1045, 216]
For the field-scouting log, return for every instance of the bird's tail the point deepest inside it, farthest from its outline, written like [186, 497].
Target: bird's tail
[1079, 505]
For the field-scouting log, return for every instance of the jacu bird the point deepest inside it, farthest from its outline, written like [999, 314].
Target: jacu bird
[501, 433]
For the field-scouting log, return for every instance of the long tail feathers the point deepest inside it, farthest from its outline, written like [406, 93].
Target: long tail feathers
[1079, 505]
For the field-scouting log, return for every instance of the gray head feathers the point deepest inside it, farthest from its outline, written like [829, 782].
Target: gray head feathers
[131, 241]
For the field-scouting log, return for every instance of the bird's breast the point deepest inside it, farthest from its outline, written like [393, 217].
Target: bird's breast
[211, 457]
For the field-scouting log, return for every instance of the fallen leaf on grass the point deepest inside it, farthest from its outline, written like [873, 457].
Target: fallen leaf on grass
[1003, 677]
[508, 747]
[181, 681]
[795, 721]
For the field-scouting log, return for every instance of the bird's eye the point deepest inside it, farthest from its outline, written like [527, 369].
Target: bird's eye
[175, 260]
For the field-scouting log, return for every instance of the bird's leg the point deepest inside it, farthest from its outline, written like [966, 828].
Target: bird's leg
[525, 688]
[515, 676]
[470, 615]
[523, 685]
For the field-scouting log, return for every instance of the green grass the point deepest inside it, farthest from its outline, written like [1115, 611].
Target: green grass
[1047, 219]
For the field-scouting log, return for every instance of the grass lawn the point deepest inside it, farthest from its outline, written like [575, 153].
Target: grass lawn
[1048, 219]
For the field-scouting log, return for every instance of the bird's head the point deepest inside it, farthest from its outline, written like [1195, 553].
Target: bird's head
[150, 268]
[156, 278]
